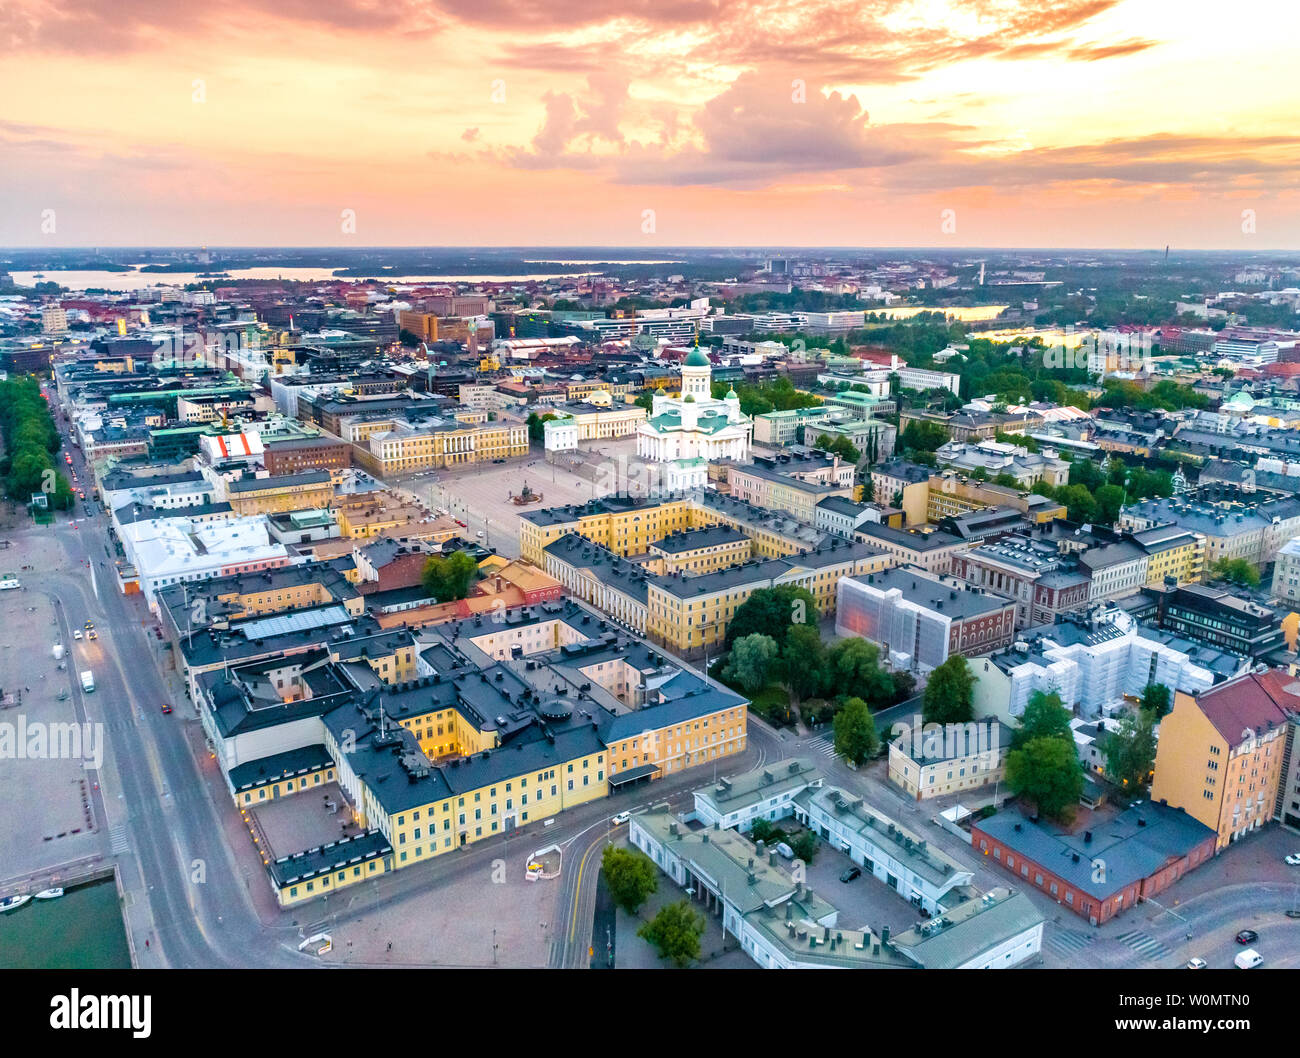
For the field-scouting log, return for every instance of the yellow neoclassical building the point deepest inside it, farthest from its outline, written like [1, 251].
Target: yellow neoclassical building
[282, 492]
[489, 724]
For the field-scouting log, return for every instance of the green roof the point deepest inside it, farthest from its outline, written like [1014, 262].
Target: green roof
[695, 358]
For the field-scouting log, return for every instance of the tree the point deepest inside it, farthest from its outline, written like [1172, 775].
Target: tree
[853, 667]
[1110, 500]
[762, 830]
[448, 578]
[1086, 473]
[1080, 504]
[855, 731]
[904, 685]
[1047, 772]
[1044, 717]
[772, 611]
[645, 400]
[805, 846]
[753, 658]
[921, 436]
[1131, 751]
[804, 661]
[631, 877]
[1007, 481]
[675, 933]
[950, 693]
[1236, 571]
[1155, 700]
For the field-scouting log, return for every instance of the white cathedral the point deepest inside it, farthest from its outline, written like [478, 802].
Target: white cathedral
[684, 433]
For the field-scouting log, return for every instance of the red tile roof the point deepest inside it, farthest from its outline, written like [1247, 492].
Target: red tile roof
[1256, 701]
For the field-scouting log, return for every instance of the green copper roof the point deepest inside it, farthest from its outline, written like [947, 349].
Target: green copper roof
[695, 358]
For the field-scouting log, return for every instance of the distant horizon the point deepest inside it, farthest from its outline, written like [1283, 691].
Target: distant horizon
[765, 248]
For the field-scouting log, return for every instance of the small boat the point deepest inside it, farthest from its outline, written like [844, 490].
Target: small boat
[50, 894]
[13, 903]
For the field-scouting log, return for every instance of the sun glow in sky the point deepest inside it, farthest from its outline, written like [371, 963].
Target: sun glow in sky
[762, 122]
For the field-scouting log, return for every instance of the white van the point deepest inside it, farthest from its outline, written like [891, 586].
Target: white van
[1248, 959]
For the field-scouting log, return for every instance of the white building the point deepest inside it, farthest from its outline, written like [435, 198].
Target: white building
[1286, 574]
[689, 431]
[561, 433]
[1092, 663]
[174, 550]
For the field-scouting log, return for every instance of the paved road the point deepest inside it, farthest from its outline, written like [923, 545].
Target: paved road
[185, 894]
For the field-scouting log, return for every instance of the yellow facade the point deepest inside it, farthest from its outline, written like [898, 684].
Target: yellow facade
[618, 420]
[695, 623]
[950, 495]
[274, 498]
[1185, 563]
[291, 597]
[623, 532]
[446, 824]
[399, 452]
[326, 883]
[1228, 788]
[705, 559]
[675, 747]
[632, 532]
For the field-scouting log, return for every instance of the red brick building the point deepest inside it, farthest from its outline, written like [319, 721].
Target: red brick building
[1104, 867]
[294, 457]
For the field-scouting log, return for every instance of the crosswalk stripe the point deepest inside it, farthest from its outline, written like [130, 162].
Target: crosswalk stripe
[1145, 944]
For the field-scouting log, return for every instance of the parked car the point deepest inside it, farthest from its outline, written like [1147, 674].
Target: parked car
[1196, 963]
[1247, 936]
[851, 874]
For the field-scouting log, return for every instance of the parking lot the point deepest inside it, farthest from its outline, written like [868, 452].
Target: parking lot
[50, 819]
[865, 902]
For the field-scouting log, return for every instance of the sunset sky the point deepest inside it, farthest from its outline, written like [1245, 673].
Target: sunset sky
[1126, 123]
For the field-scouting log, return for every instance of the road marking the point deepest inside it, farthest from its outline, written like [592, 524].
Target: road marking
[823, 745]
[1145, 944]
[577, 892]
[1067, 941]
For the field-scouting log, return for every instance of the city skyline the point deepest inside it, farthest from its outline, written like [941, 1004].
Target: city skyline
[1083, 124]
